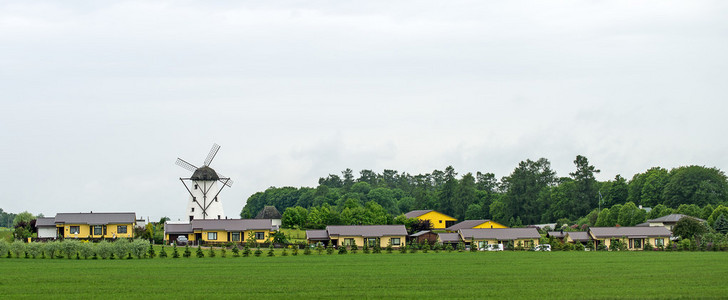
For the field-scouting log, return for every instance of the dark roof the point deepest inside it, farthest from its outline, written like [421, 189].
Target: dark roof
[366, 230]
[45, 222]
[205, 173]
[268, 212]
[177, 228]
[232, 224]
[609, 232]
[96, 218]
[673, 218]
[317, 235]
[419, 233]
[579, 236]
[501, 234]
[467, 224]
[416, 213]
[449, 237]
[556, 234]
[645, 224]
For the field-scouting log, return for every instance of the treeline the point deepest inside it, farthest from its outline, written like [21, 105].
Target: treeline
[531, 194]
[6, 219]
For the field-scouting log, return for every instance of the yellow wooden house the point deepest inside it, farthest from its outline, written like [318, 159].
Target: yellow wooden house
[222, 230]
[634, 237]
[437, 220]
[372, 235]
[482, 237]
[95, 225]
[475, 224]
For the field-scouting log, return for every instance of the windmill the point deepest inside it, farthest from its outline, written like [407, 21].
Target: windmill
[203, 188]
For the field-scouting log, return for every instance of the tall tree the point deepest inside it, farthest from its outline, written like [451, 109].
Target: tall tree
[695, 185]
[448, 192]
[523, 187]
[348, 175]
[585, 196]
[465, 195]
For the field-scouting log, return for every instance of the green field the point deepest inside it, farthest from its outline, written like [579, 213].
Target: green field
[432, 275]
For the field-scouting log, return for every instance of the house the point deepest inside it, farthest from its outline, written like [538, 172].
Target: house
[46, 228]
[668, 221]
[347, 235]
[270, 212]
[581, 237]
[437, 220]
[222, 230]
[424, 236]
[452, 238]
[634, 237]
[559, 235]
[524, 237]
[475, 224]
[95, 225]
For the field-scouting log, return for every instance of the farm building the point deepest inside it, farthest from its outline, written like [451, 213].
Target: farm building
[437, 220]
[525, 237]
[634, 237]
[573, 237]
[221, 230]
[424, 236]
[88, 225]
[346, 235]
[46, 228]
[475, 224]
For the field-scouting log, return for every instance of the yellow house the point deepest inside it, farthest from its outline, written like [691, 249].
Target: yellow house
[372, 235]
[524, 237]
[437, 220]
[634, 238]
[222, 230]
[475, 224]
[95, 225]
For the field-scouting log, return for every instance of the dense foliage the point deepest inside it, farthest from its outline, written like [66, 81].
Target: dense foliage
[531, 194]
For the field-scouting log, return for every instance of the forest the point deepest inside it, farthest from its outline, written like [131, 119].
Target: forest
[532, 194]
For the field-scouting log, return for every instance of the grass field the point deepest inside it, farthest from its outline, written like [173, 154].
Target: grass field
[532, 275]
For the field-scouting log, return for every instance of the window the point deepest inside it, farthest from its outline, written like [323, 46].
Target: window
[194, 199]
[395, 241]
[212, 236]
[440, 221]
[348, 242]
[193, 209]
[98, 230]
[235, 236]
[121, 229]
[372, 242]
[260, 235]
[215, 199]
[659, 242]
[75, 229]
[195, 186]
[637, 243]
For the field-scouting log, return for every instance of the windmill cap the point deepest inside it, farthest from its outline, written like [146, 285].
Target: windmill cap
[205, 173]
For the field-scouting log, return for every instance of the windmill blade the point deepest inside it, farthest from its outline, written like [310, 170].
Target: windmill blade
[211, 155]
[182, 163]
[225, 180]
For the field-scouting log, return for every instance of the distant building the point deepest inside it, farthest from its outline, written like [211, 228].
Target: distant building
[633, 237]
[482, 237]
[347, 235]
[270, 212]
[475, 224]
[221, 230]
[88, 225]
[668, 221]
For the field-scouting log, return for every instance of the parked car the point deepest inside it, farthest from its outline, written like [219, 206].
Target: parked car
[181, 240]
[495, 247]
[543, 247]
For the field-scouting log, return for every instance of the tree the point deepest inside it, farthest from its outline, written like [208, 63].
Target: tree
[447, 193]
[474, 212]
[585, 196]
[465, 196]
[688, 228]
[695, 185]
[627, 214]
[659, 211]
[523, 187]
[615, 192]
[721, 224]
[603, 219]
[720, 210]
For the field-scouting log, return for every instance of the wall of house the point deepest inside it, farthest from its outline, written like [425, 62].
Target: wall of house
[111, 231]
[221, 236]
[524, 242]
[86, 231]
[491, 224]
[383, 241]
[652, 240]
[267, 234]
[438, 220]
[46, 232]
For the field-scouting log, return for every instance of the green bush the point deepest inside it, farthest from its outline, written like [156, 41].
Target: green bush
[18, 248]
[4, 247]
[175, 252]
[87, 250]
[461, 247]
[342, 250]
[295, 250]
[271, 252]
[365, 248]
[307, 250]
[402, 249]
[246, 251]
[151, 252]
[69, 247]
[330, 249]
[211, 251]
[121, 248]
[223, 252]
[354, 248]
[578, 246]
[104, 249]
[257, 252]
[199, 252]
[34, 249]
[449, 248]
[163, 253]
[139, 248]
[236, 252]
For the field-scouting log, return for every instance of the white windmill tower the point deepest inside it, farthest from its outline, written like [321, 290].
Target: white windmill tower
[204, 188]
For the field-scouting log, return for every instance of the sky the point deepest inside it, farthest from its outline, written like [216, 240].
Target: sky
[99, 98]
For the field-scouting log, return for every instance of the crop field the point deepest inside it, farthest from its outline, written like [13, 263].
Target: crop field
[532, 275]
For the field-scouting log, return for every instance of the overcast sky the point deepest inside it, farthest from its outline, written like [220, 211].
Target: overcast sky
[99, 98]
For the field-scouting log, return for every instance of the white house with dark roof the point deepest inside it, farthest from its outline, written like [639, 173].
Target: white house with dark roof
[668, 221]
[46, 228]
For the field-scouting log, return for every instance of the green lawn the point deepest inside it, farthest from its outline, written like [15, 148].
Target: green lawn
[531, 275]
